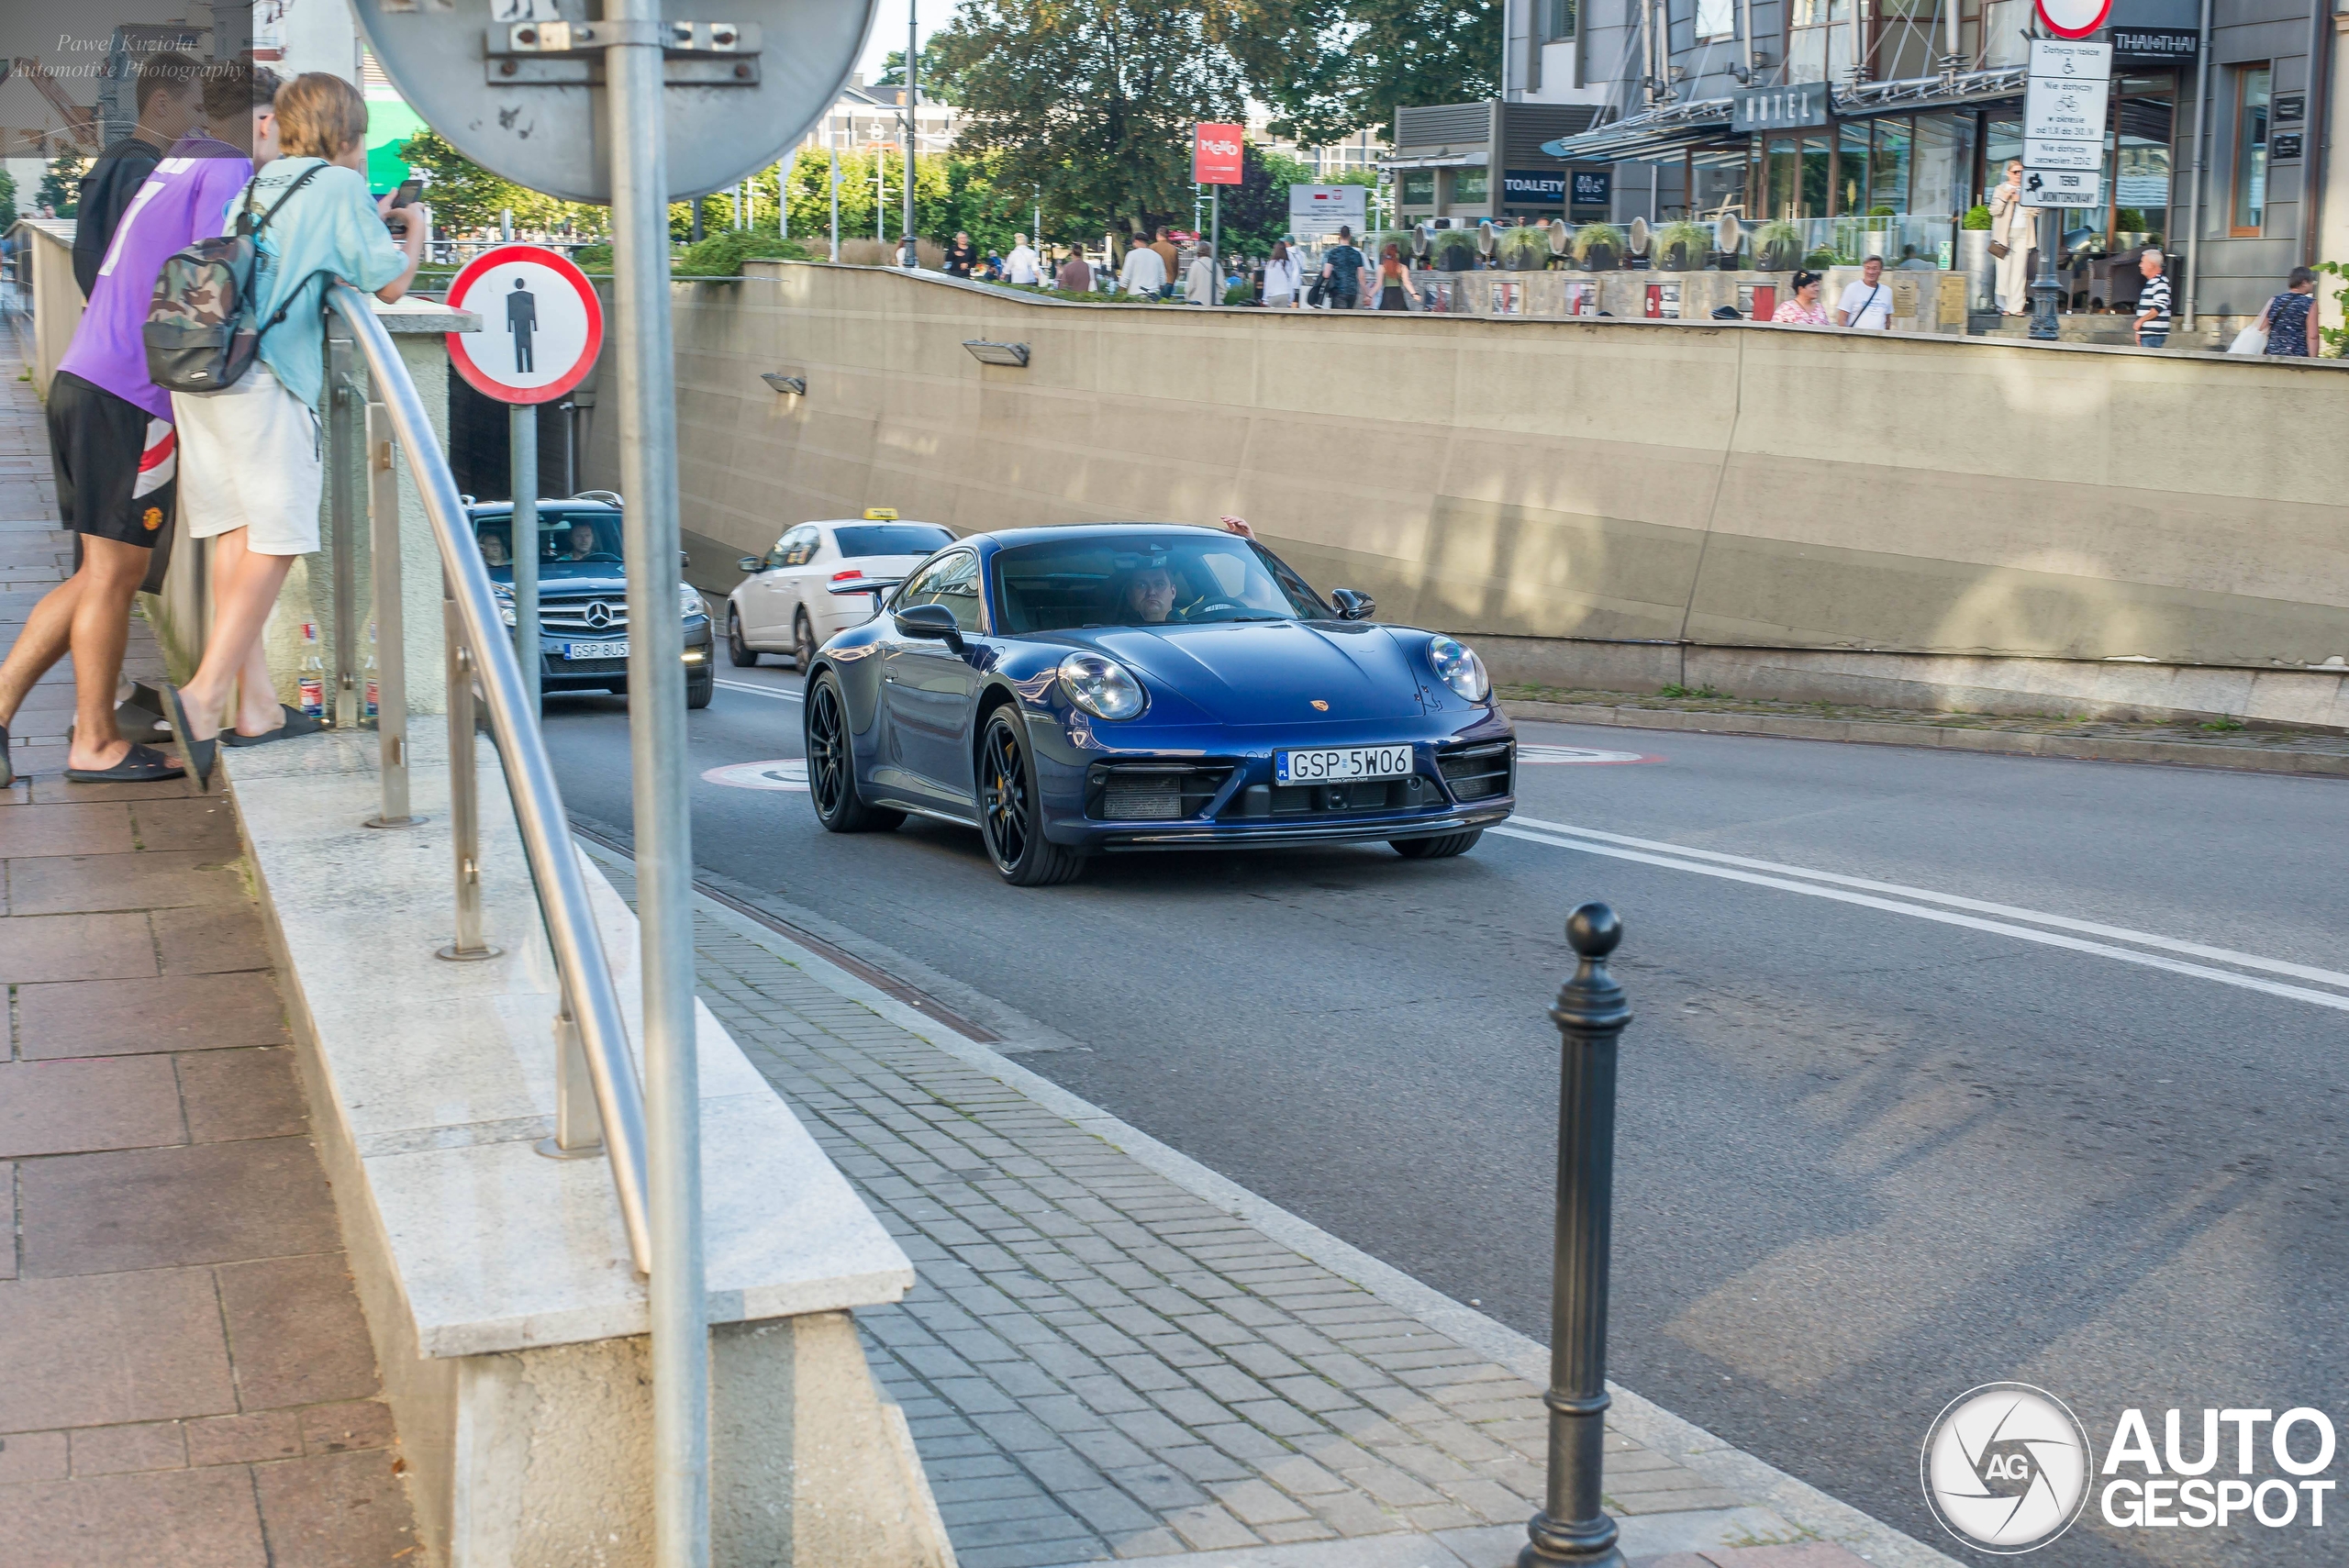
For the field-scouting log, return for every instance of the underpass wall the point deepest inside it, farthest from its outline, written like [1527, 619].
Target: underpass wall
[1915, 521]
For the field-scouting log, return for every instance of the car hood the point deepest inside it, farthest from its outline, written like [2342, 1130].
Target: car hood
[567, 577]
[1272, 672]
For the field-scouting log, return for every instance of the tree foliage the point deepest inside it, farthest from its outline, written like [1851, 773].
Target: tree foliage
[893, 72]
[1330, 68]
[61, 183]
[1090, 102]
[463, 194]
[7, 200]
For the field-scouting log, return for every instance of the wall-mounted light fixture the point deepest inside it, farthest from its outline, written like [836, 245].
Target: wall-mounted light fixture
[795, 384]
[988, 353]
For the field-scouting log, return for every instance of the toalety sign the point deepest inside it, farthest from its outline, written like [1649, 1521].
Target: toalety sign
[2007, 1468]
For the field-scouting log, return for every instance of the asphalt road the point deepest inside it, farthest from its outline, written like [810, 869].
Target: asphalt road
[2049, 1088]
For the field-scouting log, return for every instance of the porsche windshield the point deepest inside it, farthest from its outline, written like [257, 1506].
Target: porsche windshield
[1176, 580]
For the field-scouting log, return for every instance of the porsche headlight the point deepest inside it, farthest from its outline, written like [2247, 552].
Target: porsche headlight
[689, 601]
[1101, 686]
[1458, 667]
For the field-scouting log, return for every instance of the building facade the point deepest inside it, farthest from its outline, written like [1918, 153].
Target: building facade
[1898, 116]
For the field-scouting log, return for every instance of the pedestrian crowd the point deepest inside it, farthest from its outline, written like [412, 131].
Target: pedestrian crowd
[219, 149]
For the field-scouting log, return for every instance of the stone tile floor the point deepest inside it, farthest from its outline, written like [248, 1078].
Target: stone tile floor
[184, 1374]
[1097, 1364]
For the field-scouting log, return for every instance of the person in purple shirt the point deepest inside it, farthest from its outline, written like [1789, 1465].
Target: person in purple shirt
[111, 440]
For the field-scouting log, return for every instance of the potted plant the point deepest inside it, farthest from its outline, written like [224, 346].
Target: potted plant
[1524, 248]
[1597, 247]
[1680, 246]
[1455, 251]
[1778, 246]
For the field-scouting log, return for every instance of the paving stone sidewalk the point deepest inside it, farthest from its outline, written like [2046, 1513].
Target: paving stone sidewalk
[185, 1377]
[1098, 1364]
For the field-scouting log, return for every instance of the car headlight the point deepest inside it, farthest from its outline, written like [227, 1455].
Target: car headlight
[689, 601]
[1457, 666]
[504, 597]
[1101, 686]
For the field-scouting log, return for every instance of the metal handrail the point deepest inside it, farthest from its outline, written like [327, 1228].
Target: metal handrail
[591, 999]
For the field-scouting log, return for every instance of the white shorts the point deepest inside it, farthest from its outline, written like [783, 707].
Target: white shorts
[250, 458]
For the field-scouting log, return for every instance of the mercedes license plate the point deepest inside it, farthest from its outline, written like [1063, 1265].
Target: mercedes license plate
[595, 651]
[1341, 765]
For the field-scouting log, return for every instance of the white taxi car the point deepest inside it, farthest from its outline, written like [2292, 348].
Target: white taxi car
[785, 603]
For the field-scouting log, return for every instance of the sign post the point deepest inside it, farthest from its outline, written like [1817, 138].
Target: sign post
[541, 329]
[2063, 138]
[1216, 161]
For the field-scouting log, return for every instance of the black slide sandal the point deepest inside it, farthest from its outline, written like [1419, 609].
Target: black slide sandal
[295, 722]
[141, 765]
[197, 756]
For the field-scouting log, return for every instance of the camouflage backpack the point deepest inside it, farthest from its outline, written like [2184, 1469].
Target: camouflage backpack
[202, 330]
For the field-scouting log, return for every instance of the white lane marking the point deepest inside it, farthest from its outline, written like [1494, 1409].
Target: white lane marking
[782, 772]
[1979, 906]
[775, 692]
[1578, 754]
[1943, 917]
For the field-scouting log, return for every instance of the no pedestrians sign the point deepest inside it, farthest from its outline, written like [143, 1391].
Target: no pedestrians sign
[541, 325]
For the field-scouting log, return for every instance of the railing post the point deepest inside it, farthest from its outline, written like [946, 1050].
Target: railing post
[578, 1130]
[391, 646]
[464, 798]
[342, 500]
[1572, 1527]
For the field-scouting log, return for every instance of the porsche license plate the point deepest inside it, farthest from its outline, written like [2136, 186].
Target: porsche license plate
[595, 651]
[1341, 765]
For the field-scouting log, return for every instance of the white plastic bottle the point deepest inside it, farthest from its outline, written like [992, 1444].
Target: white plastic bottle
[312, 679]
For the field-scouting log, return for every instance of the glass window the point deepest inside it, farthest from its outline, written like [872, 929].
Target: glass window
[890, 538]
[2251, 150]
[1470, 187]
[580, 536]
[2141, 169]
[1716, 181]
[1888, 167]
[1852, 167]
[1186, 580]
[1934, 172]
[1558, 18]
[1815, 169]
[1418, 188]
[952, 581]
[1783, 178]
[1716, 18]
[794, 548]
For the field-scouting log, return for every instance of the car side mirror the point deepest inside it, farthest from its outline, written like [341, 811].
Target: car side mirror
[1351, 604]
[933, 621]
[750, 563]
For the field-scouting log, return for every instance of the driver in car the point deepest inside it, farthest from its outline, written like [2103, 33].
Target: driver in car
[583, 541]
[493, 550]
[1149, 597]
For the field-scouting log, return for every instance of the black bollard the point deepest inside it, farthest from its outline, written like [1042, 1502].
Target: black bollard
[1590, 1015]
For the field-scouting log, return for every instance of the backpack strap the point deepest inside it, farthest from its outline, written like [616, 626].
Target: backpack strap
[245, 219]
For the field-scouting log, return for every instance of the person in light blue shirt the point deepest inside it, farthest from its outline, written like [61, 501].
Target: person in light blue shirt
[252, 466]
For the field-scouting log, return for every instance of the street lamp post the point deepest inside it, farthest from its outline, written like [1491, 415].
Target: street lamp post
[1572, 1527]
[913, 98]
[2044, 289]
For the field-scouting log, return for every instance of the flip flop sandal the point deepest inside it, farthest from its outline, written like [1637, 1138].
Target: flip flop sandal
[198, 756]
[142, 764]
[295, 722]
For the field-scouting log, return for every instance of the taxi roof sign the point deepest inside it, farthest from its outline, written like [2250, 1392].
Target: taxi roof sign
[880, 514]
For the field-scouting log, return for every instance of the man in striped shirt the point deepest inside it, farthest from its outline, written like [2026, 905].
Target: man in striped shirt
[2153, 301]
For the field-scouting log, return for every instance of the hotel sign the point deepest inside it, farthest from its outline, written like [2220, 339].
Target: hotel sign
[1795, 107]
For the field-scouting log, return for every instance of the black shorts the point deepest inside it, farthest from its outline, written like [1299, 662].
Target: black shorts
[117, 464]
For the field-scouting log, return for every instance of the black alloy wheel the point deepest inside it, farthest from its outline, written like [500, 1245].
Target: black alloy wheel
[832, 767]
[744, 656]
[1012, 810]
[803, 641]
[1438, 849]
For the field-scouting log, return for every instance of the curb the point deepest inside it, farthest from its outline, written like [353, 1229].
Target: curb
[1762, 1484]
[1997, 742]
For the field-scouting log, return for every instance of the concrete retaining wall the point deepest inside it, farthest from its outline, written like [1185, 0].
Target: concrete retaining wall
[1865, 519]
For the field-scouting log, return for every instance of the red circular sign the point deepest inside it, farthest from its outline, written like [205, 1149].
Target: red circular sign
[541, 325]
[2073, 19]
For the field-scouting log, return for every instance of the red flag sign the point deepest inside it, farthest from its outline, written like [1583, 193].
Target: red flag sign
[1215, 154]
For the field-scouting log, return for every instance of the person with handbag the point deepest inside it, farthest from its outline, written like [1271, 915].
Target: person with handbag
[2285, 319]
[1395, 289]
[112, 441]
[1866, 304]
[1282, 278]
[2011, 240]
[252, 452]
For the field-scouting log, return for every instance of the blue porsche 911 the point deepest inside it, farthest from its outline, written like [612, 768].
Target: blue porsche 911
[1079, 690]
